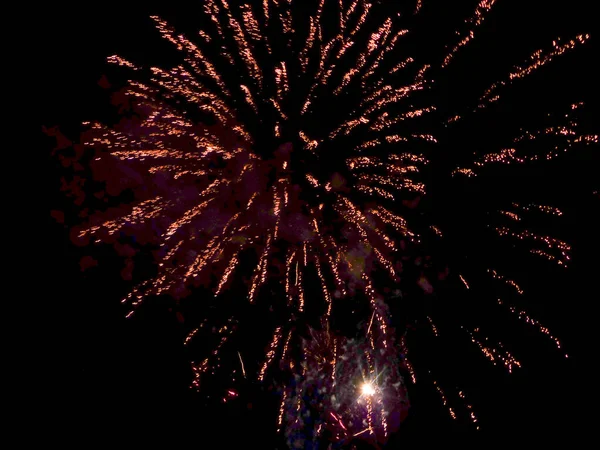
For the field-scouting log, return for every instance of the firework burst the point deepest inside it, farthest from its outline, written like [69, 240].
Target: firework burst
[291, 152]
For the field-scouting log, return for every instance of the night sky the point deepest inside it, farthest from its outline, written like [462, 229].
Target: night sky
[131, 377]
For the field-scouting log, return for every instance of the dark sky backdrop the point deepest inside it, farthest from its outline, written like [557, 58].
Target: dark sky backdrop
[133, 376]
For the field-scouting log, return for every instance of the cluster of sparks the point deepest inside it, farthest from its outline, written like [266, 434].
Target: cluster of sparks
[219, 196]
[454, 412]
[495, 353]
[522, 315]
[353, 386]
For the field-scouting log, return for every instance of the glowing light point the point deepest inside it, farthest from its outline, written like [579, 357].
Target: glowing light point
[367, 389]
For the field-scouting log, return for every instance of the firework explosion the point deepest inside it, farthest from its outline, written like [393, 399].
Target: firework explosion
[308, 158]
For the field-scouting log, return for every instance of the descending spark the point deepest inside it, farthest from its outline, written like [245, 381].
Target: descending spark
[495, 355]
[407, 362]
[242, 364]
[371, 322]
[464, 281]
[228, 271]
[433, 327]
[444, 399]
[551, 243]
[418, 6]
[508, 281]
[472, 416]
[270, 353]
[522, 315]
[191, 335]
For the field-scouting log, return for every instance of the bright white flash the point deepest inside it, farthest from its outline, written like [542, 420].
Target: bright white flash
[368, 389]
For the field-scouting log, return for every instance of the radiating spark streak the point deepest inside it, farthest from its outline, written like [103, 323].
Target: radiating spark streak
[260, 273]
[385, 49]
[139, 214]
[566, 134]
[319, 76]
[228, 271]
[286, 21]
[116, 59]
[312, 180]
[373, 300]
[270, 353]
[444, 400]
[351, 9]
[464, 171]
[391, 219]
[472, 415]
[409, 366]
[212, 249]
[190, 336]
[310, 41]
[288, 262]
[433, 327]
[355, 216]
[326, 294]
[284, 395]
[361, 432]
[281, 79]
[242, 364]
[195, 57]
[334, 362]
[541, 208]
[300, 287]
[266, 11]
[152, 154]
[192, 213]
[386, 264]
[371, 322]
[464, 281]
[551, 243]
[536, 60]
[383, 122]
[341, 17]
[332, 263]
[510, 282]
[418, 6]
[251, 26]
[205, 36]
[249, 99]
[375, 41]
[366, 7]
[480, 13]
[297, 274]
[436, 230]
[284, 352]
[401, 65]
[522, 315]
[244, 48]
[511, 215]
